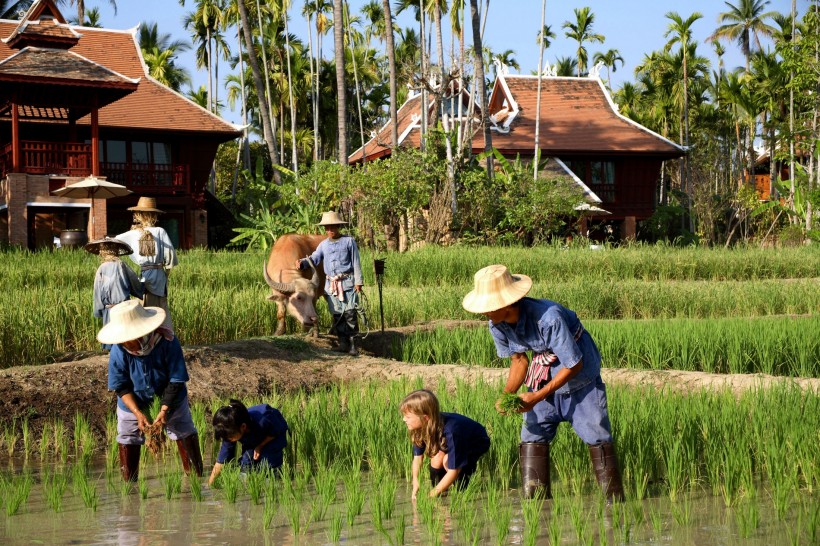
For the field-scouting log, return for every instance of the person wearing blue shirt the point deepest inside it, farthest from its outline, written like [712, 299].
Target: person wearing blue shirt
[261, 429]
[146, 362]
[563, 378]
[453, 442]
[343, 279]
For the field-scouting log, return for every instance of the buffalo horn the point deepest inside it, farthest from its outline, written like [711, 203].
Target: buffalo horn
[314, 280]
[285, 288]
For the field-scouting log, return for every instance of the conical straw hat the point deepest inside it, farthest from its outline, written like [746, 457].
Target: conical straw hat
[332, 218]
[493, 288]
[123, 248]
[130, 320]
[146, 204]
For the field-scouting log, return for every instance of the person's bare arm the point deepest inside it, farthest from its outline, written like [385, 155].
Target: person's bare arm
[416, 468]
[532, 398]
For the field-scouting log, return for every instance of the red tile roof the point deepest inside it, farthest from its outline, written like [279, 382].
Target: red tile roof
[152, 106]
[577, 116]
[409, 127]
[59, 66]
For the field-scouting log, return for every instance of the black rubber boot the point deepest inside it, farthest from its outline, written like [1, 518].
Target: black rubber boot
[534, 458]
[129, 462]
[605, 464]
[354, 350]
[334, 324]
[190, 454]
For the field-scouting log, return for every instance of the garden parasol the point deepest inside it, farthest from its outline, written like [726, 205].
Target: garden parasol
[92, 188]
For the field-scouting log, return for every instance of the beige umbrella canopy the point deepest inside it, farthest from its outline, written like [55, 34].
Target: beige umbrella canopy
[92, 188]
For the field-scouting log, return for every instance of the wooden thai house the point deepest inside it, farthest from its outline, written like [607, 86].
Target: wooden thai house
[615, 160]
[77, 101]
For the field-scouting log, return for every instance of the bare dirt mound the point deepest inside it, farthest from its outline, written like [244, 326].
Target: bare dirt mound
[258, 367]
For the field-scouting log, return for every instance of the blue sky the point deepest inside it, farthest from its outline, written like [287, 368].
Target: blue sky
[633, 27]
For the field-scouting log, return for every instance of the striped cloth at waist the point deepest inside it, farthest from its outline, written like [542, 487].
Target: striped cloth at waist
[152, 266]
[539, 369]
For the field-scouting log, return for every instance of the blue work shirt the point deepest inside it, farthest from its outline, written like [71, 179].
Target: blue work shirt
[147, 376]
[114, 283]
[546, 326]
[465, 439]
[265, 421]
[339, 256]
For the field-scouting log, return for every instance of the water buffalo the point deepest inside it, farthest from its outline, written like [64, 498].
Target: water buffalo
[292, 289]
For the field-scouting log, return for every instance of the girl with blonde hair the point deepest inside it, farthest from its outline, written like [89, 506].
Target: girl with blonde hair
[452, 442]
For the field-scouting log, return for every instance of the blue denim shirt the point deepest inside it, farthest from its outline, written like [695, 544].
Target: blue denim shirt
[148, 375]
[543, 326]
[114, 283]
[265, 421]
[340, 255]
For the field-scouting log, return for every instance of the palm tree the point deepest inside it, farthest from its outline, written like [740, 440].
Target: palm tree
[581, 31]
[744, 22]
[479, 81]
[81, 7]
[270, 137]
[566, 66]
[391, 63]
[341, 102]
[680, 31]
[204, 24]
[160, 52]
[92, 18]
[545, 37]
[610, 60]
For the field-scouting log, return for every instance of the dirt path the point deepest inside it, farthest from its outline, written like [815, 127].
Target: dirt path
[254, 368]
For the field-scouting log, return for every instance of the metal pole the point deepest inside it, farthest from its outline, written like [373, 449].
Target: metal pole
[378, 268]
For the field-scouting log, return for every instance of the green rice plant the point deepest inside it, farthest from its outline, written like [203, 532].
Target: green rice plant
[747, 517]
[88, 492]
[510, 403]
[60, 443]
[531, 510]
[578, 517]
[811, 509]
[554, 530]
[171, 483]
[54, 486]
[269, 511]
[656, 519]
[501, 515]
[125, 488]
[17, 492]
[353, 496]
[230, 481]
[255, 483]
[334, 528]
[195, 485]
[83, 438]
[26, 433]
[293, 511]
[45, 439]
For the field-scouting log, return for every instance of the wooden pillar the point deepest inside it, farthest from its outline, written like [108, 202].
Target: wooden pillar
[95, 139]
[16, 166]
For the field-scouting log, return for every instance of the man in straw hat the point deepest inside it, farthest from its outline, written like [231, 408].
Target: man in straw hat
[153, 252]
[563, 380]
[146, 361]
[114, 281]
[343, 281]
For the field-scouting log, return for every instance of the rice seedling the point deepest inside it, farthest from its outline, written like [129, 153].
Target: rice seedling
[501, 515]
[656, 519]
[269, 511]
[195, 484]
[88, 492]
[125, 488]
[293, 512]
[334, 528]
[255, 483]
[682, 512]
[142, 486]
[510, 403]
[554, 530]
[747, 517]
[531, 510]
[353, 496]
[45, 438]
[54, 486]
[26, 433]
[230, 481]
[17, 492]
[10, 439]
[60, 443]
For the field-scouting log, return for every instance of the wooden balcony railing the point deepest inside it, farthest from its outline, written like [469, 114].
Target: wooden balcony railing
[74, 159]
[149, 177]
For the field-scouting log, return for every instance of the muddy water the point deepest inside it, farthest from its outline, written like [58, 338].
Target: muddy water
[125, 519]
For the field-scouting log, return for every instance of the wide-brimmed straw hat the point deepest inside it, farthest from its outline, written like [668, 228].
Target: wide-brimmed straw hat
[146, 204]
[493, 288]
[122, 248]
[130, 320]
[332, 218]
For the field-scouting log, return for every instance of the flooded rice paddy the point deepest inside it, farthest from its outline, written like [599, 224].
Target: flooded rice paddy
[144, 515]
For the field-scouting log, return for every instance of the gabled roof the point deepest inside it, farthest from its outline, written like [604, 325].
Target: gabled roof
[409, 129]
[60, 66]
[577, 117]
[42, 25]
[152, 106]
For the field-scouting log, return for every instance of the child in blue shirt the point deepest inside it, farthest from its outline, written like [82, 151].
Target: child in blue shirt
[260, 429]
[453, 442]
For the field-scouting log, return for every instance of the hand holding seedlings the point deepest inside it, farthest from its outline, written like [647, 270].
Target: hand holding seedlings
[509, 403]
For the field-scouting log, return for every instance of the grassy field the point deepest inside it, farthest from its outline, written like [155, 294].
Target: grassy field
[45, 307]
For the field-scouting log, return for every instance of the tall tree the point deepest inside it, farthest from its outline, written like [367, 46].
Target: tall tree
[81, 7]
[680, 31]
[581, 31]
[478, 64]
[744, 22]
[391, 64]
[610, 60]
[270, 138]
[160, 53]
[341, 94]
